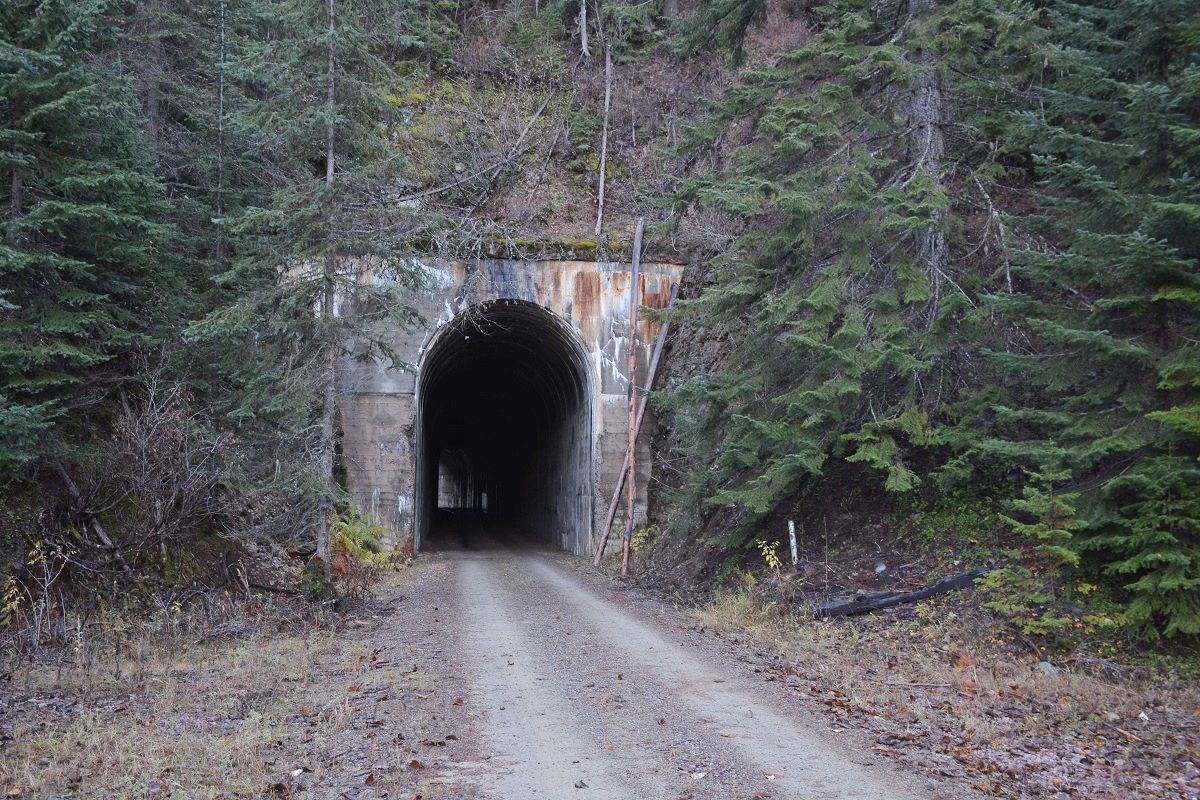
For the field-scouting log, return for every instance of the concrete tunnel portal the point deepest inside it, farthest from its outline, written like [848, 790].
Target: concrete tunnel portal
[505, 429]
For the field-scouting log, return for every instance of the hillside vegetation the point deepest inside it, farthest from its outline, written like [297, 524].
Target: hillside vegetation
[962, 270]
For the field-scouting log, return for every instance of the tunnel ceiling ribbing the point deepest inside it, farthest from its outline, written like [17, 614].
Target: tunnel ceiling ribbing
[517, 340]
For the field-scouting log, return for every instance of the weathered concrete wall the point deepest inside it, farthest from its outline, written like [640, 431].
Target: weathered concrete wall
[456, 485]
[379, 450]
[379, 404]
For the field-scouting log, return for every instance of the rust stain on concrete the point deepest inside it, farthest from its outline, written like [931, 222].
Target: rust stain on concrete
[658, 298]
[382, 440]
[554, 289]
[618, 284]
[585, 303]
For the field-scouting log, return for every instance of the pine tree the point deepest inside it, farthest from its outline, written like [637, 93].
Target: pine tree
[325, 72]
[82, 244]
[1109, 294]
[842, 300]
[187, 62]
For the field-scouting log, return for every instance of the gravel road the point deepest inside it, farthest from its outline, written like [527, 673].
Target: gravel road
[572, 686]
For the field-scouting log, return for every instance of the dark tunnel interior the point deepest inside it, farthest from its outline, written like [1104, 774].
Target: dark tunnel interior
[505, 439]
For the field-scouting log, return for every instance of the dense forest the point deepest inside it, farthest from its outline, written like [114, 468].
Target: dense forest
[941, 253]
[968, 262]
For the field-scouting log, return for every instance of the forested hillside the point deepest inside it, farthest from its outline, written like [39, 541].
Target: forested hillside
[962, 269]
[943, 263]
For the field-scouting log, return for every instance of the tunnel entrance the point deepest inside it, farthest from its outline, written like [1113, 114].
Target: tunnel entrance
[505, 430]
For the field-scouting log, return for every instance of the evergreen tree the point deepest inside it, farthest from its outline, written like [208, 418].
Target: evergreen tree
[188, 65]
[325, 72]
[83, 250]
[843, 301]
[1109, 294]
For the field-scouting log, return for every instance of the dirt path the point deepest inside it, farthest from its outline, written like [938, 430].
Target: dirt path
[523, 674]
[569, 687]
[481, 674]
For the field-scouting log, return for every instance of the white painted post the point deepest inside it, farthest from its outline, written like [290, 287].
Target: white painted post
[792, 536]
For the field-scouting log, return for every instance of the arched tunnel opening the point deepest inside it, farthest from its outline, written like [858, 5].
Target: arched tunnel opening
[505, 430]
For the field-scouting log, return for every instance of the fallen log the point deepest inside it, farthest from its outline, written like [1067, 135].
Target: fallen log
[874, 601]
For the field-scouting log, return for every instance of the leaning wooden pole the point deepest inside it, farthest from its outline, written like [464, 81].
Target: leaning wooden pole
[631, 479]
[611, 514]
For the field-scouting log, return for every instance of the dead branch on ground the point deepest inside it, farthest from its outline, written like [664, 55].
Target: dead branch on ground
[874, 601]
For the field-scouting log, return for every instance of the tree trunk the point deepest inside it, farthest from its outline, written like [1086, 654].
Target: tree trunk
[220, 193]
[670, 9]
[325, 447]
[604, 134]
[880, 600]
[330, 100]
[154, 73]
[584, 49]
[637, 427]
[91, 518]
[17, 196]
[631, 478]
[927, 146]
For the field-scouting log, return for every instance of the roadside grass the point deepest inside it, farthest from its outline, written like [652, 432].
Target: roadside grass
[221, 695]
[941, 685]
[203, 721]
[182, 711]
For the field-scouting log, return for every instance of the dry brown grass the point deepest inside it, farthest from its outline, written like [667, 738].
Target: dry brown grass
[248, 707]
[207, 721]
[941, 686]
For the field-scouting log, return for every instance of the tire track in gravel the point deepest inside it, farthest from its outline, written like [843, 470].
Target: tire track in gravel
[729, 714]
[539, 749]
[573, 688]
[629, 710]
